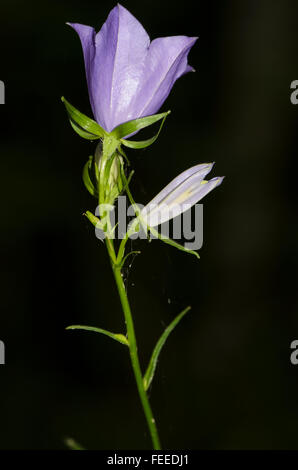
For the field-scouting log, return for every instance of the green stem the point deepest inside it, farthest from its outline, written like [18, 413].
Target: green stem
[133, 349]
[108, 149]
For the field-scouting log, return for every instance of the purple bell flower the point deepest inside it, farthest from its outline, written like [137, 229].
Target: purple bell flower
[128, 76]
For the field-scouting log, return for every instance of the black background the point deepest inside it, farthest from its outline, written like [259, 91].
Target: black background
[224, 380]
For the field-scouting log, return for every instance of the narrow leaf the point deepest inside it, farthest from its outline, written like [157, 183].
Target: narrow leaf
[143, 143]
[80, 121]
[86, 178]
[148, 377]
[130, 127]
[117, 336]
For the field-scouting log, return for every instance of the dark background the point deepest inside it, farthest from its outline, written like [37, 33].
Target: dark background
[224, 379]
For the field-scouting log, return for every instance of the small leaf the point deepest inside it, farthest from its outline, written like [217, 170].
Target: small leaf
[86, 178]
[143, 143]
[93, 219]
[130, 127]
[117, 336]
[148, 377]
[82, 123]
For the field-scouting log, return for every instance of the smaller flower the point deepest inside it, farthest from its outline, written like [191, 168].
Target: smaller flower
[180, 195]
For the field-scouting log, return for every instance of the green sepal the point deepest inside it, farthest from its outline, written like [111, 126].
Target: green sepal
[130, 127]
[116, 336]
[87, 179]
[81, 132]
[82, 124]
[134, 144]
[149, 374]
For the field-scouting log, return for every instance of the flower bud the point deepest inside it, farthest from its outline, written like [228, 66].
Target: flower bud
[112, 181]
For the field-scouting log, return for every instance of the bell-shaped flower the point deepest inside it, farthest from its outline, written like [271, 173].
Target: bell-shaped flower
[128, 76]
[180, 195]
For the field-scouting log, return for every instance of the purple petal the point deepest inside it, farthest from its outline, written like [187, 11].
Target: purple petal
[166, 61]
[87, 37]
